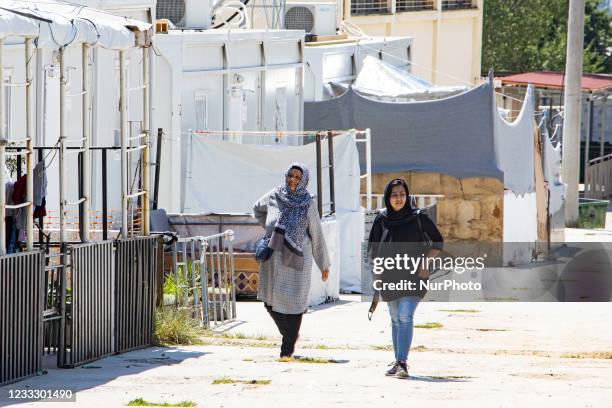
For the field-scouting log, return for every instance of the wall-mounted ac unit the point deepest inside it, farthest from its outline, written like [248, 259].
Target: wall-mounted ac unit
[313, 18]
[193, 14]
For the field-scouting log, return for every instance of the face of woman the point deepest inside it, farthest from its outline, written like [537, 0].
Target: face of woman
[293, 179]
[398, 197]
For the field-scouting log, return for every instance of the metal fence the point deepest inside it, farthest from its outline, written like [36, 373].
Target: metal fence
[417, 200]
[89, 304]
[203, 272]
[368, 7]
[136, 263]
[457, 4]
[413, 5]
[598, 183]
[365, 7]
[54, 303]
[21, 310]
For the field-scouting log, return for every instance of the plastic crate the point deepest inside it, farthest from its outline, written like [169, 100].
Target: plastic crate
[592, 213]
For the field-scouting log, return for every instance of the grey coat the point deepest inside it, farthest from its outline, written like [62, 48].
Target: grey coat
[282, 287]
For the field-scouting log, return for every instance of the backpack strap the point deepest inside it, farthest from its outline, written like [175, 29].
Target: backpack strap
[423, 234]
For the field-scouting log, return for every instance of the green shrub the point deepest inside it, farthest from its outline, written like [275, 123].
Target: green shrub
[176, 327]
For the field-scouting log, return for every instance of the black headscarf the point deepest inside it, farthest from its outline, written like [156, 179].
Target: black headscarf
[392, 218]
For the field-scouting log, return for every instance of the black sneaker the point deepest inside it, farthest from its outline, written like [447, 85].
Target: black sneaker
[393, 370]
[402, 370]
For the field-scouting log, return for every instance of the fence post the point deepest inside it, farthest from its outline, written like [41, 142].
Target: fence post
[319, 176]
[29, 54]
[123, 136]
[62, 145]
[86, 172]
[145, 153]
[368, 142]
[3, 143]
[160, 134]
[332, 186]
[2, 186]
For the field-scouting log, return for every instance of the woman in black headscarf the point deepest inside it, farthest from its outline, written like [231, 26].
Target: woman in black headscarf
[402, 230]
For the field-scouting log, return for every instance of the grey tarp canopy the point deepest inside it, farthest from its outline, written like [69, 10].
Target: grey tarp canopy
[453, 135]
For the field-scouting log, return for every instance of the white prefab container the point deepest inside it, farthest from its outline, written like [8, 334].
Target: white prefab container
[221, 81]
[105, 124]
[341, 62]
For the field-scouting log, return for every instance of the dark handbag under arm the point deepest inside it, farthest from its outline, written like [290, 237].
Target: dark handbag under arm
[376, 297]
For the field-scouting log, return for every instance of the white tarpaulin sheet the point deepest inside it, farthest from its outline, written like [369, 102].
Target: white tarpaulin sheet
[380, 78]
[58, 24]
[321, 292]
[520, 226]
[514, 147]
[552, 174]
[226, 177]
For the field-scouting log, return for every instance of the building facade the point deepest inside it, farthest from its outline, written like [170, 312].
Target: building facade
[447, 34]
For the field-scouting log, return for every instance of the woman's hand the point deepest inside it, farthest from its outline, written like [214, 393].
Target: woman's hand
[423, 273]
[325, 274]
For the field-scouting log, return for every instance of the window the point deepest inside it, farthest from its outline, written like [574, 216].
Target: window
[457, 4]
[365, 7]
[201, 110]
[414, 5]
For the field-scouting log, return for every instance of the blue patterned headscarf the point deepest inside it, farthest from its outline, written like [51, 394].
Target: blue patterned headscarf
[290, 228]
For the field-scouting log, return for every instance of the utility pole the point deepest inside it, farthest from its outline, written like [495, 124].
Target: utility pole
[572, 103]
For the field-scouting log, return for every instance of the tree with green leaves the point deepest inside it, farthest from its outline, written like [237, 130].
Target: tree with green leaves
[531, 35]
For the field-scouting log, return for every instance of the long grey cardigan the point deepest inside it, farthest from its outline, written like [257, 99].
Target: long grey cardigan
[282, 287]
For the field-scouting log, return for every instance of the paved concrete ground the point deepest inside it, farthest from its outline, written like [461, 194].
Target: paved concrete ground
[499, 354]
[485, 354]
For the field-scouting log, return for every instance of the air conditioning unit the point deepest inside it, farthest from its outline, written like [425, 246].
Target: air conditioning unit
[190, 14]
[313, 18]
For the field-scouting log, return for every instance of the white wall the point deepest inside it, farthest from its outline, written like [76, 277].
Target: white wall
[261, 90]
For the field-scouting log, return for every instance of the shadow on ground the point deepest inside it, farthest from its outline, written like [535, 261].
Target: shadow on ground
[96, 373]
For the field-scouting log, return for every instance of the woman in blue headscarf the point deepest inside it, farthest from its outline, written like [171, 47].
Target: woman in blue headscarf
[291, 220]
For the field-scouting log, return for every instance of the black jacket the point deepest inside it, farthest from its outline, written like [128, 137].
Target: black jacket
[407, 238]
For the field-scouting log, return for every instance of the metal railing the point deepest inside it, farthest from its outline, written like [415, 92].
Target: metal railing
[83, 202]
[598, 178]
[21, 310]
[203, 271]
[458, 4]
[373, 7]
[413, 5]
[330, 168]
[366, 7]
[418, 200]
[102, 224]
[54, 303]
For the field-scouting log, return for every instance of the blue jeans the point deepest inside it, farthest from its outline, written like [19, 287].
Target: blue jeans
[402, 311]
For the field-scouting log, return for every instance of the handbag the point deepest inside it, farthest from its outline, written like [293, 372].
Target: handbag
[262, 251]
[376, 297]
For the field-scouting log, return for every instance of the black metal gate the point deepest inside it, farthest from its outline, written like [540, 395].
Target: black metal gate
[89, 303]
[21, 311]
[136, 263]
